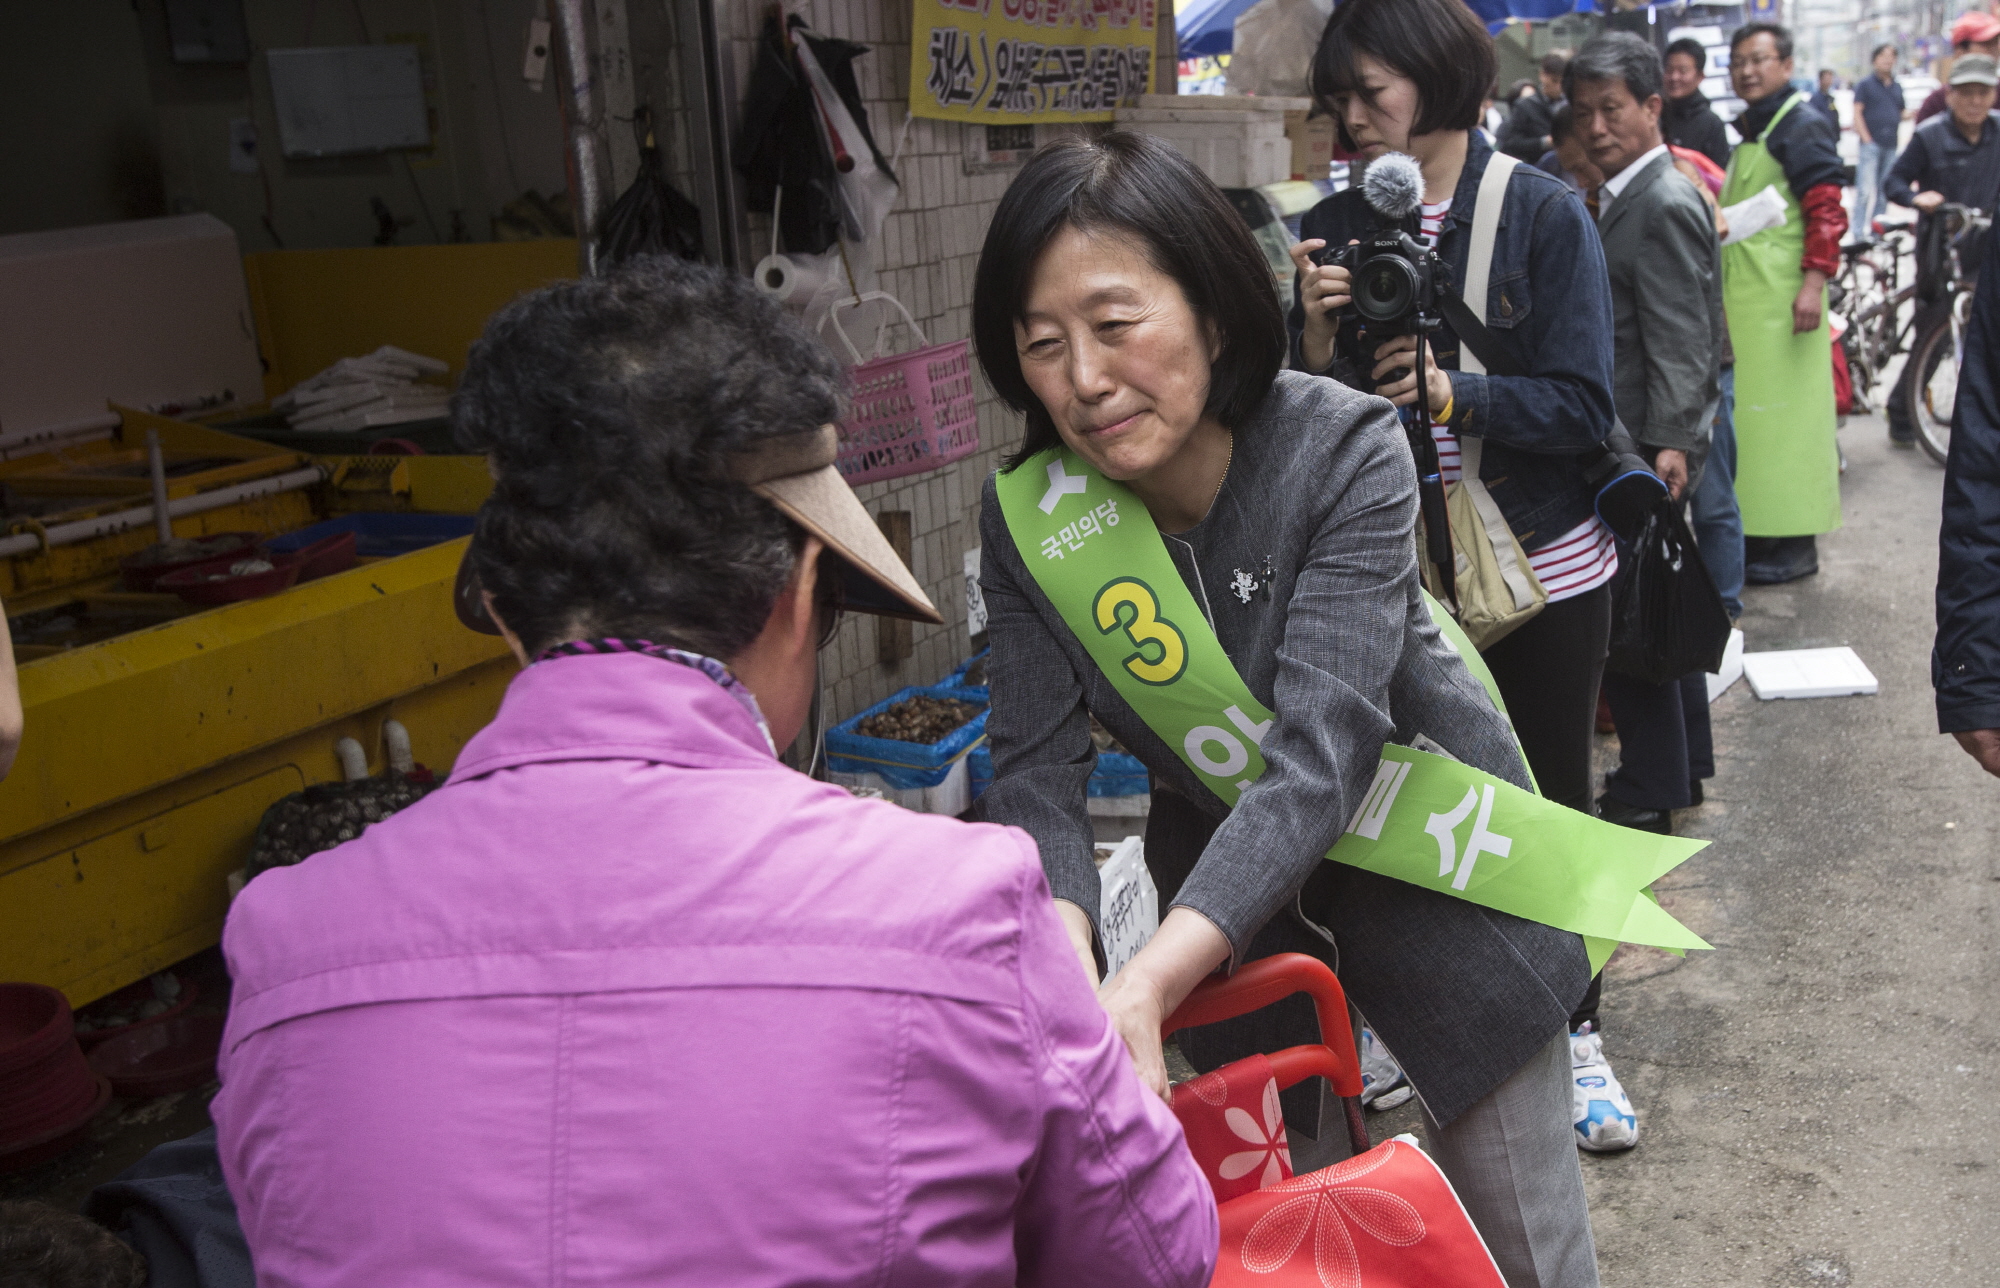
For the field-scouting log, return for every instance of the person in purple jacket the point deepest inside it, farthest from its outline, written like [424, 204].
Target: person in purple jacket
[627, 1001]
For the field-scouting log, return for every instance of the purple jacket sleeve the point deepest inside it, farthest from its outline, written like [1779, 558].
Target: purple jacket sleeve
[1112, 1197]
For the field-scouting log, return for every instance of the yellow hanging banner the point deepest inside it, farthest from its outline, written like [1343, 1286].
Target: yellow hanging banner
[1017, 62]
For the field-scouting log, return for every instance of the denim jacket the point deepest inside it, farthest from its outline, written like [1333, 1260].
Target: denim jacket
[1548, 305]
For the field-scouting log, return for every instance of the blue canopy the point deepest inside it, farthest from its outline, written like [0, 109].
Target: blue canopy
[1205, 28]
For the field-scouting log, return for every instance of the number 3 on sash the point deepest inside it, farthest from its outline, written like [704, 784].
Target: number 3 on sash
[1130, 604]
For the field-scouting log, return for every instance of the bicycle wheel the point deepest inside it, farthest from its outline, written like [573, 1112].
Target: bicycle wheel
[1932, 374]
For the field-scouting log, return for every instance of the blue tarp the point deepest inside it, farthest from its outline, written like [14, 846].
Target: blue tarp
[1205, 28]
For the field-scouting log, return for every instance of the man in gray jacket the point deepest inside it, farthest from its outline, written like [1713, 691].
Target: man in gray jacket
[1665, 265]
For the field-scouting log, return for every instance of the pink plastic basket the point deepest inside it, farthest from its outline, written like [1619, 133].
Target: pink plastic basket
[912, 412]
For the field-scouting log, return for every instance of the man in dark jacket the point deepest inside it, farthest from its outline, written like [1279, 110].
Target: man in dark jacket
[1965, 665]
[1528, 133]
[1951, 158]
[1666, 307]
[1687, 120]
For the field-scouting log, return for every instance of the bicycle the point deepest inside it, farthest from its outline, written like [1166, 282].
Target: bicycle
[1932, 371]
[1869, 295]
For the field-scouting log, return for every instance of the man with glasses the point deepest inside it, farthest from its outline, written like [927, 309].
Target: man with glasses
[1774, 291]
[626, 999]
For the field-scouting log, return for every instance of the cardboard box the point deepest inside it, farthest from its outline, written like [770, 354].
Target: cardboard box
[1312, 139]
[150, 313]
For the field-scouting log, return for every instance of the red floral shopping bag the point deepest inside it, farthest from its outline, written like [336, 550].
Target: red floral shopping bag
[1235, 1128]
[1388, 1219]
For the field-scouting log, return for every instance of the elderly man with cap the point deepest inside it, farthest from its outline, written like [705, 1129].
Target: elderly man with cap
[1973, 33]
[1955, 159]
[627, 1001]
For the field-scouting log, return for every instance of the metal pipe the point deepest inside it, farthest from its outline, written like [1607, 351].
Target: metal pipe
[156, 465]
[64, 434]
[105, 525]
[572, 43]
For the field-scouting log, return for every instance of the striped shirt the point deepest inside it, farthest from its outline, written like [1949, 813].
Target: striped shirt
[1581, 559]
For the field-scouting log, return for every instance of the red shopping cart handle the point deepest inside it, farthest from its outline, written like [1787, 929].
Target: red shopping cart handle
[1272, 979]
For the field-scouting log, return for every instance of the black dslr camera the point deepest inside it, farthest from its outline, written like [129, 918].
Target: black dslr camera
[1396, 279]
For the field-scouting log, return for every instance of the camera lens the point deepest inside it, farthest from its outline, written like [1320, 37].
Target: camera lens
[1386, 288]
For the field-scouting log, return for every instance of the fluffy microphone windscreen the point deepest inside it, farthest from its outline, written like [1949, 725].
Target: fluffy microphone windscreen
[1393, 186]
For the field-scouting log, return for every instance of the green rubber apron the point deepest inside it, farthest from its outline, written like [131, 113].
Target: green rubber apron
[1429, 820]
[1787, 466]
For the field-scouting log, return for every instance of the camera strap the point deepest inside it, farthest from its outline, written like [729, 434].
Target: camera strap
[1614, 462]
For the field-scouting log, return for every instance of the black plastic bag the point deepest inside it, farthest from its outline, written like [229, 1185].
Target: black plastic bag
[1667, 620]
[651, 218]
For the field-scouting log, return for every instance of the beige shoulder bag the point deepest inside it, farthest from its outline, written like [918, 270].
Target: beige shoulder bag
[1497, 590]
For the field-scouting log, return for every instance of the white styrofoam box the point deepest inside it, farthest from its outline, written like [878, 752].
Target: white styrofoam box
[1235, 148]
[146, 313]
[1808, 673]
[1732, 667]
[348, 99]
[1130, 910]
[951, 796]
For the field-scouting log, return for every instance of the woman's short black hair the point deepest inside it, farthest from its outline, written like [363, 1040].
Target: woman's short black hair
[1562, 124]
[1439, 44]
[607, 409]
[1136, 185]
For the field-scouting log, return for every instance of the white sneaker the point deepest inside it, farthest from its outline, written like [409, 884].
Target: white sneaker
[1383, 1085]
[1602, 1113]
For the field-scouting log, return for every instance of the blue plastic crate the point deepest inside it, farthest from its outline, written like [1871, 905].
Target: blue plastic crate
[380, 536]
[906, 765]
[1117, 774]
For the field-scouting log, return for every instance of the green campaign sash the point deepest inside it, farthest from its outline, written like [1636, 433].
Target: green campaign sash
[1425, 819]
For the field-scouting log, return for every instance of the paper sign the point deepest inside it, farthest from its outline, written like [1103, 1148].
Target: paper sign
[1752, 216]
[1016, 62]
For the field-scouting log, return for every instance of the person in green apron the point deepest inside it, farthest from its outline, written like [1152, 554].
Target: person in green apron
[1774, 293]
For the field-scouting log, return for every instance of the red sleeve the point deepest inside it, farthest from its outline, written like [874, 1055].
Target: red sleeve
[1825, 224]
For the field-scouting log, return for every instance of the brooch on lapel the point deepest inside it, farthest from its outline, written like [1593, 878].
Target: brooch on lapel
[1246, 585]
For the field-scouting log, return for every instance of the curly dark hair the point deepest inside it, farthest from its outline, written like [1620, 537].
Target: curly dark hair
[608, 408]
[46, 1247]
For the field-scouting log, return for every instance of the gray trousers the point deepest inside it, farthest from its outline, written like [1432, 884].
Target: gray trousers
[1512, 1159]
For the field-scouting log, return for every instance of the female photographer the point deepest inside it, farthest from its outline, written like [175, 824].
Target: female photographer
[1404, 76]
[1253, 523]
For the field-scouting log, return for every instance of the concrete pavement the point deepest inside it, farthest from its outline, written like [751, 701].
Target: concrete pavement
[1818, 1095]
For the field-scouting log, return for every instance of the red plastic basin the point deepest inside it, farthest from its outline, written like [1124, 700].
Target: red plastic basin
[138, 574]
[213, 583]
[322, 558]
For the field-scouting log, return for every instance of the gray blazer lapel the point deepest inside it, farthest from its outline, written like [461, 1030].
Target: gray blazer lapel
[1625, 200]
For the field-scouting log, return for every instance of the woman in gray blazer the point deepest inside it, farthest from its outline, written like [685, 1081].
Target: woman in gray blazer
[1123, 308]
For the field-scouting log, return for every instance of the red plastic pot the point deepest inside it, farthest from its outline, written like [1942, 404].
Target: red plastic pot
[47, 1091]
[159, 1060]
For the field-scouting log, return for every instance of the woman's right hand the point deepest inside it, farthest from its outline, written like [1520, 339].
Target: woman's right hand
[1324, 289]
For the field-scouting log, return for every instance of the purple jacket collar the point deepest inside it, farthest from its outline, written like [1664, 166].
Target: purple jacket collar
[615, 706]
